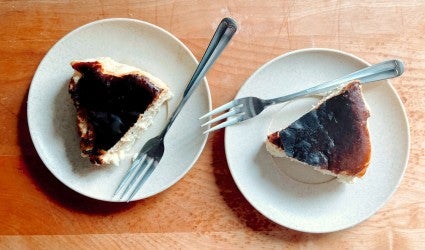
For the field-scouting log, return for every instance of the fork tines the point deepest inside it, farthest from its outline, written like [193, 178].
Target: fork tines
[138, 173]
[232, 116]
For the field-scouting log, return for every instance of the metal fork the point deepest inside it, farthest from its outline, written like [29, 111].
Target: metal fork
[152, 152]
[248, 107]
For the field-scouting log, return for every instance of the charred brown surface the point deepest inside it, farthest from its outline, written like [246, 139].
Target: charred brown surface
[109, 104]
[333, 136]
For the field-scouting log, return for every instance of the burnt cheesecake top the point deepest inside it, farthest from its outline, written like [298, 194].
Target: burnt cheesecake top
[333, 136]
[111, 104]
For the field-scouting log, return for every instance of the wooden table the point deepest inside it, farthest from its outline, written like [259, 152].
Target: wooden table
[205, 209]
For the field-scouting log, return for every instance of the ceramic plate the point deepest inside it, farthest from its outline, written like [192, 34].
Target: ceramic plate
[300, 198]
[52, 116]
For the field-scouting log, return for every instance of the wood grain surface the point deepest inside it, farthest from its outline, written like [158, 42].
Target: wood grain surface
[205, 209]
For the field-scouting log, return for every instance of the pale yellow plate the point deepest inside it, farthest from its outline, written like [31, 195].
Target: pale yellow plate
[300, 198]
[51, 114]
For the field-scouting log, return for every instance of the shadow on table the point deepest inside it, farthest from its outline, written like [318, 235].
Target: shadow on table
[47, 182]
[237, 202]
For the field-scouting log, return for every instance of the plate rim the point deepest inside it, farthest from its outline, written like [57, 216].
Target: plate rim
[405, 121]
[37, 141]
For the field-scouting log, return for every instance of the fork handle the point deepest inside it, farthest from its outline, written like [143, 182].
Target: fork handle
[380, 71]
[219, 41]
[225, 31]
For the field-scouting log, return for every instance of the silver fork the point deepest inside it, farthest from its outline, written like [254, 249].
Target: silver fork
[151, 153]
[248, 107]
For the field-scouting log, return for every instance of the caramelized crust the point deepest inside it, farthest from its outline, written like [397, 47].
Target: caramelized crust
[333, 136]
[107, 105]
[275, 139]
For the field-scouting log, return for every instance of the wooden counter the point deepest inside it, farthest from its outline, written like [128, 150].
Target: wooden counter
[205, 209]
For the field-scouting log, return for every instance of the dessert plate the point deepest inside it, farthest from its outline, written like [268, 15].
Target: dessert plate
[52, 116]
[300, 198]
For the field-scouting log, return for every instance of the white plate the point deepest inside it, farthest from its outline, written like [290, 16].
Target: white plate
[52, 117]
[302, 199]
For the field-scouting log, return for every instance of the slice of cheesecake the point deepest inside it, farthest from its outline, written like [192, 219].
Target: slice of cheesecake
[115, 103]
[333, 137]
